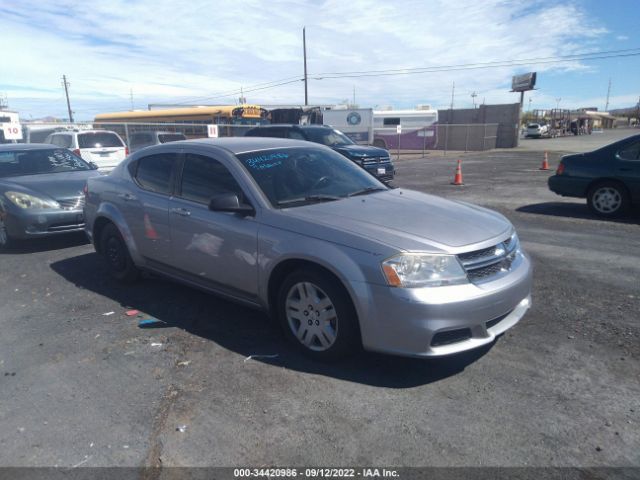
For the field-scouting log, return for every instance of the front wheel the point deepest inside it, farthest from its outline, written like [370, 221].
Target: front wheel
[115, 252]
[317, 315]
[608, 199]
[5, 239]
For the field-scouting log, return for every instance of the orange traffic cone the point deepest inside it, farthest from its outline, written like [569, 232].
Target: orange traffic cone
[457, 180]
[545, 162]
[149, 231]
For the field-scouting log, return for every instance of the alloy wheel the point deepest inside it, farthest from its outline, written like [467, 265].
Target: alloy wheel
[607, 200]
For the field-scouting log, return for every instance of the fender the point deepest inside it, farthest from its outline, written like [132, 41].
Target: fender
[110, 211]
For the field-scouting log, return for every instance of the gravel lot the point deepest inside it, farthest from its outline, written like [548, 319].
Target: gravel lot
[560, 389]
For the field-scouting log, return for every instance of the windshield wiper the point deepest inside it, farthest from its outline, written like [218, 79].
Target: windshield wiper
[366, 191]
[308, 199]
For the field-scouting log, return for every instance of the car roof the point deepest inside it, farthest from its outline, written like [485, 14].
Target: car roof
[238, 145]
[10, 147]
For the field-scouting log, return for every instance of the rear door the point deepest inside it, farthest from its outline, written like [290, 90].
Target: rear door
[628, 169]
[145, 204]
[105, 149]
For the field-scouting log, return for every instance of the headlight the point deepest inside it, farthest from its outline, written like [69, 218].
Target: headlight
[24, 200]
[423, 270]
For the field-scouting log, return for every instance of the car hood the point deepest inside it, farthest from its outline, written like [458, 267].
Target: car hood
[52, 185]
[361, 151]
[404, 219]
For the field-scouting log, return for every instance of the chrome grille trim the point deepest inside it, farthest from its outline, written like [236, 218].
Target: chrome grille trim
[76, 203]
[488, 263]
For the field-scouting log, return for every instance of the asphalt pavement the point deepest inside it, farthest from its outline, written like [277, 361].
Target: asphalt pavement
[216, 385]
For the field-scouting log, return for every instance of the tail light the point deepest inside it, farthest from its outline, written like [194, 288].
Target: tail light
[560, 169]
[77, 152]
[126, 151]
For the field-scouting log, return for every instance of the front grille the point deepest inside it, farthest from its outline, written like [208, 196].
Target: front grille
[76, 203]
[488, 263]
[371, 161]
[61, 227]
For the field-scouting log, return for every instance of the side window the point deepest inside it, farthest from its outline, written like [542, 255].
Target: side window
[203, 177]
[296, 135]
[391, 122]
[154, 172]
[631, 152]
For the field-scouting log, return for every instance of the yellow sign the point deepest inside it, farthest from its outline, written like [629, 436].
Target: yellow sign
[251, 111]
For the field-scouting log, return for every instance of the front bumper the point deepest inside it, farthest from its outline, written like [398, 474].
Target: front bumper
[25, 224]
[433, 322]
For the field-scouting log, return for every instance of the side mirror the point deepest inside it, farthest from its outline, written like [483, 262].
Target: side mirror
[93, 166]
[229, 202]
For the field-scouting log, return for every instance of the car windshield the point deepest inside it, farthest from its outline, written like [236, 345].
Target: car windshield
[297, 176]
[99, 140]
[328, 136]
[34, 162]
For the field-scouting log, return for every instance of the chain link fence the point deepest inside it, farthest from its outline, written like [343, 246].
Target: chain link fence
[439, 137]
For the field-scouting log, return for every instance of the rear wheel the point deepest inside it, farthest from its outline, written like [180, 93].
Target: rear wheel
[316, 314]
[5, 239]
[116, 254]
[608, 199]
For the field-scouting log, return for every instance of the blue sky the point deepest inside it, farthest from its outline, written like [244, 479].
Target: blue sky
[193, 52]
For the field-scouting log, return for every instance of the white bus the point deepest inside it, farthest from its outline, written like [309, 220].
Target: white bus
[418, 128]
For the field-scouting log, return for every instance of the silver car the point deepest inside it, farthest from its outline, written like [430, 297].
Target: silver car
[298, 230]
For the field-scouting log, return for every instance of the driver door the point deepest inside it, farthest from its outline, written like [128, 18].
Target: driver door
[216, 249]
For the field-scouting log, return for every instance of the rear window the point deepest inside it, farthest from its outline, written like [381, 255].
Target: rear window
[154, 172]
[171, 137]
[533, 125]
[98, 140]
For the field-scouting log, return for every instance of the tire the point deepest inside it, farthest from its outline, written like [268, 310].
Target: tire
[329, 329]
[608, 199]
[6, 240]
[116, 255]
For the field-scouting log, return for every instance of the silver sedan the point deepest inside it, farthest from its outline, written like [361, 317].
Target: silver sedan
[339, 258]
[40, 191]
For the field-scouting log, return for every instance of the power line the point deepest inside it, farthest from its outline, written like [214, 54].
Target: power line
[502, 64]
[630, 52]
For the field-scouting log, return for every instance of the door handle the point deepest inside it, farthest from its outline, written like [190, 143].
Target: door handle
[183, 212]
[127, 197]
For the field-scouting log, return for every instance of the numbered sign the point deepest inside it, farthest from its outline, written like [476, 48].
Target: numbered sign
[12, 131]
[212, 131]
[398, 129]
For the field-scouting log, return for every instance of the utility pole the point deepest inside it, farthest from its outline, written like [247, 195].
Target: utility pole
[606, 107]
[473, 98]
[304, 49]
[131, 95]
[354, 97]
[66, 91]
[453, 89]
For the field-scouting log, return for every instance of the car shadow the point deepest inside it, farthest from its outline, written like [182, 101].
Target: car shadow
[576, 210]
[45, 244]
[250, 332]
